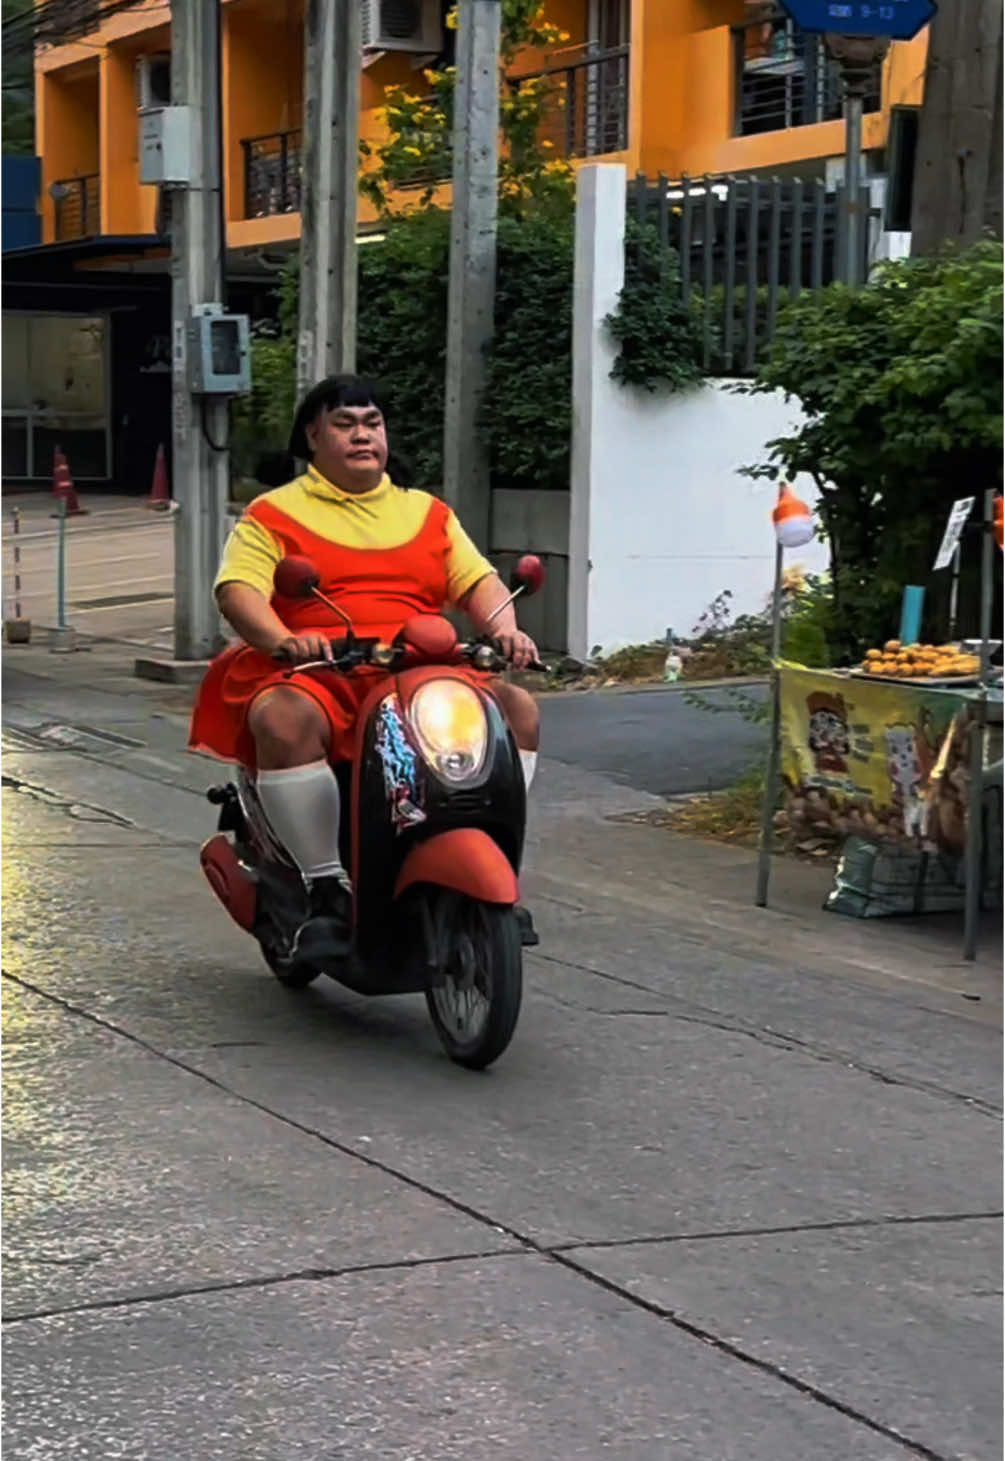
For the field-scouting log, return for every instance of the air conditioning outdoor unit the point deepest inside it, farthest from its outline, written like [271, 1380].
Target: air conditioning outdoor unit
[153, 81]
[403, 25]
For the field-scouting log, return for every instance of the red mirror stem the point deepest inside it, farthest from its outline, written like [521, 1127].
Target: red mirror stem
[316, 593]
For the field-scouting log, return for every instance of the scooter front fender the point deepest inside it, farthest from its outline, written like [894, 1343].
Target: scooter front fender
[465, 860]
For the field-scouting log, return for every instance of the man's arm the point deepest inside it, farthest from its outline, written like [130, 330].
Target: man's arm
[244, 591]
[253, 618]
[479, 605]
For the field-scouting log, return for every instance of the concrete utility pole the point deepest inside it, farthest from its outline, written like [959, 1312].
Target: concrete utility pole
[471, 307]
[326, 341]
[958, 169]
[200, 470]
[857, 56]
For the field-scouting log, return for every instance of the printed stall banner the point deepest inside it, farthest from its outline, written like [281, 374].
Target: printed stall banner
[858, 754]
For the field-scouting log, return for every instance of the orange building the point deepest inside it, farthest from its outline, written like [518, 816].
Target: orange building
[665, 86]
[672, 86]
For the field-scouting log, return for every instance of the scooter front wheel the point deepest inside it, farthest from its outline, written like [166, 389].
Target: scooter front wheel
[474, 1000]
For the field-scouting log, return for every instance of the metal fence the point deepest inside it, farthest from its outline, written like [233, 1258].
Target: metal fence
[743, 245]
[586, 104]
[77, 207]
[785, 77]
[272, 174]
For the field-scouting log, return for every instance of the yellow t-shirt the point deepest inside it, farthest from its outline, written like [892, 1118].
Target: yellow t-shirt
[313, 517]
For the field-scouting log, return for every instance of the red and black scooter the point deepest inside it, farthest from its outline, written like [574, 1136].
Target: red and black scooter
[434, 833]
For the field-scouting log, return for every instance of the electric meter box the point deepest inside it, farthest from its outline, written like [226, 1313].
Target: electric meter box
[219, 353]
[166, 145]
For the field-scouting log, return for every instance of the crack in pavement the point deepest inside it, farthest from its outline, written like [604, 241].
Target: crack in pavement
[71, 808]
[776, 1039]
[527, 1244]
[263, 1281]
[766, 1367]
[836, 1225]
[122, 770]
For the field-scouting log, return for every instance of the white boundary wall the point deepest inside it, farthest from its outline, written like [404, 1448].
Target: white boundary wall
[660, 519]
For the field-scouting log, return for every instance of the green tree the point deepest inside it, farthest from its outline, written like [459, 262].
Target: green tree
[417, 152]
[18, 82]
[901, 383]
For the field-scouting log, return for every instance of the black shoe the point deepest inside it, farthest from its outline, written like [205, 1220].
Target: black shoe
[528, 933]
[327, 933]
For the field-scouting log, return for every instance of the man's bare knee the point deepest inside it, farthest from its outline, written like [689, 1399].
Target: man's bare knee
[289, 730]
[520, 709]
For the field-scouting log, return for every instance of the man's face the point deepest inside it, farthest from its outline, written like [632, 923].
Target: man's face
[349, 445]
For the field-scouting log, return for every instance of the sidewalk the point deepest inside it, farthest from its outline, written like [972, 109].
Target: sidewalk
[583, 856]
[103, 509]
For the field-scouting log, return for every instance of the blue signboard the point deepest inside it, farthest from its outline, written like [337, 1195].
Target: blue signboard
[898, 19]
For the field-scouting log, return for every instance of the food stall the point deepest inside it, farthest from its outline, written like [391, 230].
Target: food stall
[880, 764]
[898, 758]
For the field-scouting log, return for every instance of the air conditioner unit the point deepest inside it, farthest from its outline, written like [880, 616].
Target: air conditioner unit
[403, 25]
[153, 81]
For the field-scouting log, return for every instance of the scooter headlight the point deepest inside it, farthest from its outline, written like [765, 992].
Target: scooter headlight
[449, 722]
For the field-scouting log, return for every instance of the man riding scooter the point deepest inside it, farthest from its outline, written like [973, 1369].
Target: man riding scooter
[384, 553]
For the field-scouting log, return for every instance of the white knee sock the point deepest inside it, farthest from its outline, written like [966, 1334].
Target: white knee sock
[528, 760]
[302, 806]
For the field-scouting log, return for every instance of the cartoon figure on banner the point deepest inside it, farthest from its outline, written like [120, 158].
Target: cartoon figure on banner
[910, 758]
[828, 737]
[399, 765]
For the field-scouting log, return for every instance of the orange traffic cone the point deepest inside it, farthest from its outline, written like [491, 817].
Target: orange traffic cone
[160, 491]
[62, 485]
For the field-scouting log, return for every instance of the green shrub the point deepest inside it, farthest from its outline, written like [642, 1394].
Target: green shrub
[901, 383]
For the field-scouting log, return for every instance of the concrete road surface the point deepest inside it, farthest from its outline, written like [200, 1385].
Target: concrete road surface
[734, 1191]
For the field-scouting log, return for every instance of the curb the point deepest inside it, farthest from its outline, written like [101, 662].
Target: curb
[533, 684]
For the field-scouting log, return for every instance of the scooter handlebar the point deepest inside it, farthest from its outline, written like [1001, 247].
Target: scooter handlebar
[344, 659]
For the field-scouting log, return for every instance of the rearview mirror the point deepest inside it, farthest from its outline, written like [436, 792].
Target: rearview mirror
[295, 577]
[528, 575]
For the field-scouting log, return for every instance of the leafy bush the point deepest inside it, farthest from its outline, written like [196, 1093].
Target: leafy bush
[902, 386]
[402, 328]
[527, 409]
[658, 334]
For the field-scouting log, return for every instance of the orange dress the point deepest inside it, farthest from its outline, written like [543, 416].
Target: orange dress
[383, 556]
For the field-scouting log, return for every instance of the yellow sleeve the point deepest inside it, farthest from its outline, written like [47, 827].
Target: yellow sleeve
[250, 556]
[466, 567]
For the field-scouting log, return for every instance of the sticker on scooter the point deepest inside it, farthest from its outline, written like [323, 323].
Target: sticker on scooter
[400, 768]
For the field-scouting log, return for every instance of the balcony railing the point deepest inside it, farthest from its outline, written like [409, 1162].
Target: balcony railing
[77, 207]
[272, 174]
[785, 78]
[586, 104]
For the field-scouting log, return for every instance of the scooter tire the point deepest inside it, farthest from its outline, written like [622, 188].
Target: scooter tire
[498, 933]
[290, 974]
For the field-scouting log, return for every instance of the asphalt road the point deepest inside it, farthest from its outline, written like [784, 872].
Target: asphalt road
[654, 740]
[712, 1204]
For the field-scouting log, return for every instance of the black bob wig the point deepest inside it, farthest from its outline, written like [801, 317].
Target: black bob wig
[342, 390]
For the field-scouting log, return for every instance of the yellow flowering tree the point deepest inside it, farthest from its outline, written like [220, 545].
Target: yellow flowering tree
[417, 153]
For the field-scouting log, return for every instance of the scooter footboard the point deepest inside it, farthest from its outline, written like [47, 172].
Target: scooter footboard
[465, 860]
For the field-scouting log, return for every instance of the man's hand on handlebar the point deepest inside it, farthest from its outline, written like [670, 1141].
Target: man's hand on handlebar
[519, 649]
[299, 649]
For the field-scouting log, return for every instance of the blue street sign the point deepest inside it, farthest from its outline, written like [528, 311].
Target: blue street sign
[898, 19]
